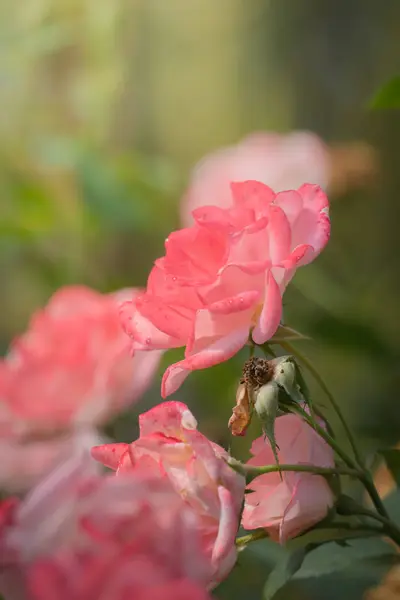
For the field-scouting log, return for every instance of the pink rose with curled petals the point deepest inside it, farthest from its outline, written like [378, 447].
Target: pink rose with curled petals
[289, 505]
[79, 535]
[281, 161]
[73, 369]
[225, 276]
[171, 447]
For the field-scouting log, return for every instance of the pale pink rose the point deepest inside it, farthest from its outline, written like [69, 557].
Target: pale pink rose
[286, 507]
[281, 161]
[225, 276]
[73, 365]
[86, 537]
[73, 369]
[170, 446]
[31, 458]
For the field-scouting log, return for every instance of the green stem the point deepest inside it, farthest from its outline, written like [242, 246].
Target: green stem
[390, 528]
[352, 532]
[325, 435]
[369, 485]
[307, 363]
[255, 471]
[364, 475]
[244, 540]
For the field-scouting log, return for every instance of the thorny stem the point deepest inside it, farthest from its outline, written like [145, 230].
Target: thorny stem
[307, 363]
[388, 526]
[352, 531]
[369, 485]
[255, 471]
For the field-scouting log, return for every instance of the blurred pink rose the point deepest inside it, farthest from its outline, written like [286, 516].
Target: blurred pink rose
[70, 371]
[73, 364]
[283, 162]
[288, 506]
[86, 537]
[30, 458]
[225, 276]
[170, 447]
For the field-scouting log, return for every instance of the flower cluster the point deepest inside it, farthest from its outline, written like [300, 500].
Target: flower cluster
[164, 525]
[285, 504]
[225, 276]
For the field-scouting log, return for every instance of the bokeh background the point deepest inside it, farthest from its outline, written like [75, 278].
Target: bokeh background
[106, 107]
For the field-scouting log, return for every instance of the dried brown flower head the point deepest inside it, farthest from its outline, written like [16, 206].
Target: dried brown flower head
[256, 373]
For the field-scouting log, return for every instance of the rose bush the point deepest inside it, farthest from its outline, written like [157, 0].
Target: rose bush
[283, 162]
[225, 276]
[70, 371]
[82, 536]
[171, 447]
[288, 503]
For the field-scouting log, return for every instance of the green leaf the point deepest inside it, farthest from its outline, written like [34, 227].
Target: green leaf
[284, 571]
[287, 333]
[392, 459]
[357, 566]
[388, 96]
[330, 558]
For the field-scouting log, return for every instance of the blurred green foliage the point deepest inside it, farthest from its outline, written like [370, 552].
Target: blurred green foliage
[107, 104]
[388, 96]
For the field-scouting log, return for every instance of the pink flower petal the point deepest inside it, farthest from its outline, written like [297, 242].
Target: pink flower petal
[168, 418]
[223, 554]
[195, 254]
[252, 194]
[279, 235]
[109, 454]
[218, 351]
[271, 312]
[145, 334]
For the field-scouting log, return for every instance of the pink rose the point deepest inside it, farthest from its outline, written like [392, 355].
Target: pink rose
[170, 447]
[70, 371]
[31, 458]
[288, 506]
[283, 162]
[82, 536]
[225, 276]
[72, 365]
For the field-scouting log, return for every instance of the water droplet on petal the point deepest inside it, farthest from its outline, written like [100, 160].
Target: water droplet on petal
[148, 341]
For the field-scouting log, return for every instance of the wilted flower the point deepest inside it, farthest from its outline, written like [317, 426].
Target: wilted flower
[225, 276]
[171, 448]
[260, 390]
[71, 370]
[288, 503]
[86, 537]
